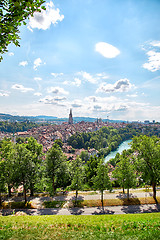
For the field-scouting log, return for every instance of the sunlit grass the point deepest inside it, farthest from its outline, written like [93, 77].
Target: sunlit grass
[130, 226]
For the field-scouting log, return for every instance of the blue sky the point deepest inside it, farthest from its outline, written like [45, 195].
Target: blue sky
[100, 58]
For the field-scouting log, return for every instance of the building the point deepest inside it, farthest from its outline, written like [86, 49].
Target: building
[70, 120]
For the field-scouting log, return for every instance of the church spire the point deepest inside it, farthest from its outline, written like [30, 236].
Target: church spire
[70, 120]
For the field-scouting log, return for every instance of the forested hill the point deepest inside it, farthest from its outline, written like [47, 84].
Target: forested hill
[12, 127]
[11, 118]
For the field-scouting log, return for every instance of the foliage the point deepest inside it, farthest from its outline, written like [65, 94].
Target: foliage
[125, 172]
[105, 140]
[126, 226]
[91, 169]
[16, 205]
[12, 15]
[102, 181]
[59, 142]
[36, 152]
[56, 167]
[53, 204]
[147, 159]
[77, 175]
[24, 167]
[7, 154]
[13, 127]
[2, 178]
[84, 156]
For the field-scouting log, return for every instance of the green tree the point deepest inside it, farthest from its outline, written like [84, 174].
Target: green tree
[77, 175]
[84, 156]
[59, 142]
[2, 178]
[125, 172]
[54, 164]
[147, 159]
[36, 152]
[12, 14]
[24, 167]
[91, 169]
[7, 154]
[102, 181]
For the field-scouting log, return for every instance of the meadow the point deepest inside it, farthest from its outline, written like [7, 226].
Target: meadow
[128, 226]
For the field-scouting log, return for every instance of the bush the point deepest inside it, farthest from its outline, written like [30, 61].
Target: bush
[53, 204]
[12, 205]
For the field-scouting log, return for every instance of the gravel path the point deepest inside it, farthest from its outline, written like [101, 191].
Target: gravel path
[88, 211]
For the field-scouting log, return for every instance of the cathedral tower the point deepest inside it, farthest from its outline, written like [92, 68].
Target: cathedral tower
[70, 120]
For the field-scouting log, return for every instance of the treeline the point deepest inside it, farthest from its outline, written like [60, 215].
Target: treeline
[12, 127]
[105, 140]
[24, 164]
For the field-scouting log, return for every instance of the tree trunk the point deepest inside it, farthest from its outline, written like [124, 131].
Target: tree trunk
[9, 191]
[123, 186]
[102, 198]
[128, 194]
[31, 190]
[76, 195]
[25, 195]
[53, 185]
[154, 192]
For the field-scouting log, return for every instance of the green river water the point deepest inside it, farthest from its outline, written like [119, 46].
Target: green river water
[122, 146]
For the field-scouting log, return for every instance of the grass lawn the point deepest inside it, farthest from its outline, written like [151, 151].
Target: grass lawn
[129, 226]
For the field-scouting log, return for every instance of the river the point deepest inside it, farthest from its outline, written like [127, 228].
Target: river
[124, 145]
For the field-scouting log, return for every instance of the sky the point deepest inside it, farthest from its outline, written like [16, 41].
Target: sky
[100, 58]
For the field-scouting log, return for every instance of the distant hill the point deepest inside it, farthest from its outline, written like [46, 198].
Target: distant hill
[11, 118]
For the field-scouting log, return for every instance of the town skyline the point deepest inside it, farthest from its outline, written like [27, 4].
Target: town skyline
[100, 59]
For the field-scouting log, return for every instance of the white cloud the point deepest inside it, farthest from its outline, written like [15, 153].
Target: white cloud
[37, 63]
[21, 88]
[77, 103]
[57, 90]
[155, 43]
[132, 95]
[11, 54]
[107, 50]
[153, 63]
[122, 85]
[56, 74]
[37, 78]
[43, 19]
[102, 76]
[76, 82]
[4, 93]
[87, 77]
[53, 100]
[38, 94]
[23, 63]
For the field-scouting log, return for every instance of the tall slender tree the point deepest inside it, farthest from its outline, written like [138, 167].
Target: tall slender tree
[2, 178]
[36, 151]
[25, 166]
[7, 153]
[54, 162]
[125, 172]
[102, 180]
[77, 175]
